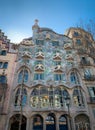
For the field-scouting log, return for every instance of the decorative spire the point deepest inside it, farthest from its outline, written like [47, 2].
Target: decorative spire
[35, 26]
[36, 21]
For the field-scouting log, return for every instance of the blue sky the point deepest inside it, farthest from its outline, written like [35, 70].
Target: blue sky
[17, 16]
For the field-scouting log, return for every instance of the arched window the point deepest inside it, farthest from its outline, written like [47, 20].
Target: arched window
[19, 95]
[15, 120]
[58, 97]
[74, 78]
[65, 95]
[44, 100]
[78, 97]
[50, 122]
[82, 122]
[21, 75]
[37, 122]
[63, 123]
[34, 98]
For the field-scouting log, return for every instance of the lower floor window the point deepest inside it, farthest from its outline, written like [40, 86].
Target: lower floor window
[58, 77]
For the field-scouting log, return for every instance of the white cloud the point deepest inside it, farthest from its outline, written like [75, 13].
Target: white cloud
[16, 36]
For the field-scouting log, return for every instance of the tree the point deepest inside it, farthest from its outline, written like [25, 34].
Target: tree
[89, 26]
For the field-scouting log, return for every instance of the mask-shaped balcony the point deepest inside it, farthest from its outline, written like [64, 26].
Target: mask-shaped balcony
[40, 55]
[67, 46]
[69, 57]
[58, 68]
[39, 67]
[57, 56]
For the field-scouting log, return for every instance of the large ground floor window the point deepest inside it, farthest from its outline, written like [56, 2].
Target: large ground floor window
[15, 122]
[82, 122]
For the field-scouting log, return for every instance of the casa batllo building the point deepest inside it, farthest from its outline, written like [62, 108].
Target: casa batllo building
[54, 82]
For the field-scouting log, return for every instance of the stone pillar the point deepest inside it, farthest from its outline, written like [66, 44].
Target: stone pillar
[28, 123]
[68, 123]
[44, 123]
[57, 122]
[31, 124]
[73, 124]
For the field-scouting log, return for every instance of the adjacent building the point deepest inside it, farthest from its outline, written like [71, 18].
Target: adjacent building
[7, 68]
[50, 81]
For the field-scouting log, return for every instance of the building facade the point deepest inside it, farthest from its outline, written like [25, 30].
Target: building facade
[7, 68]
[53, 84]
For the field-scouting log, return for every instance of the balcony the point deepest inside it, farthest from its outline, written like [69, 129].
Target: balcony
[69, 57]
[89, 77]
[68, 46]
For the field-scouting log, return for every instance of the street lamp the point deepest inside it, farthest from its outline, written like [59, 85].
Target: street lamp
[68, 105]
[24, 58]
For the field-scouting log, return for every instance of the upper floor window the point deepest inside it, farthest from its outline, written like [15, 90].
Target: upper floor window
[74, 78]
[39, 42]
[20, 97]
[76, 34]
[57, 62]
[3, 52]
[87, 72]
[3, 79]
[3, 65]
[23, 76]
[39, 76]
[55, 43]
[91, 91]
[78, 41]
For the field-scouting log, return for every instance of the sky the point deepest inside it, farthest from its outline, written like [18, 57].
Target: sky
[17, 16]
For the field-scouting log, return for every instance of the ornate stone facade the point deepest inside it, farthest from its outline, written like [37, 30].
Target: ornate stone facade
[51, 69]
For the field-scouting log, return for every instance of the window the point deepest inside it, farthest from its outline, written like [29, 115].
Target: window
[87, 73]
[68, 52]
[43, 97]
[57, 62]
[78, 41]
[38, 76]
[3, 79]
[55, 43]
[3, 52]
[21, 75]
[76, 34]
[38, 62]
[91, 91]
[39, 42]
[58, 77]
[78, 97]
[1, 63]
[34, 98]
[74, 78]
[4, 65]
[18, 100]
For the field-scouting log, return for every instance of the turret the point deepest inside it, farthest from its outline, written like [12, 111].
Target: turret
[35, 28]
